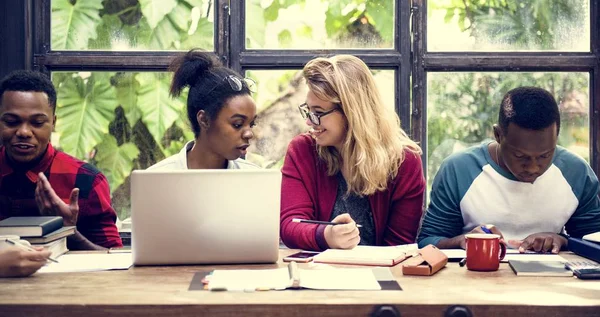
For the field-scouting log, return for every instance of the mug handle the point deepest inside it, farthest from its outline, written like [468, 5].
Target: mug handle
[502, 251]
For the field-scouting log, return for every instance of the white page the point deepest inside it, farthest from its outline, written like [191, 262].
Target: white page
[239, 280]
[454, 253]
[511, 254]
[339, 279]
[368, 252]
[89, 262]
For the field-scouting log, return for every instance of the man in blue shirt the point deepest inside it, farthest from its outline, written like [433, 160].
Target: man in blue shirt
[521, 186]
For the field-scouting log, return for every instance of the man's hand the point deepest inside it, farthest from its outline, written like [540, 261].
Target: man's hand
[343, 236]
[478, 229]
[15, 262]
[540, 242]
[50, 204]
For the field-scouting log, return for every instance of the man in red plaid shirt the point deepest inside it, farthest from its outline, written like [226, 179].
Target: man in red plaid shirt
[36, 179]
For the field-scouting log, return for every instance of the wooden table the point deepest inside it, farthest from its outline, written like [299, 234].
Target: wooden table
[163, 291]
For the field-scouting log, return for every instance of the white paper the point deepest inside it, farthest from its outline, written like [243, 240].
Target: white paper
[511, 254]
[366, 254]
[454, 253]
[239, 280]
[89, 262]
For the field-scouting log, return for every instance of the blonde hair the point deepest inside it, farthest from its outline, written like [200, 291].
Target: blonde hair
[374, 146]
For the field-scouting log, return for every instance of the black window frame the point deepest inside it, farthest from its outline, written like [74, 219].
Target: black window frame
[408, 57]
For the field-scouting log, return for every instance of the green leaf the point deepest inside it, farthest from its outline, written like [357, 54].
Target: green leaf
[127, 88]
[116, 162]
[85, 109]
[285, 38]
[202, 38]
[255, 27]
[74, 25]
[159, 111]
[382, 13]
[155, 11]
[109, 31]
[271, 12]
[169, 30]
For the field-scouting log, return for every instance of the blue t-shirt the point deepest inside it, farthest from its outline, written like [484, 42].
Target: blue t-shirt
[471, 189]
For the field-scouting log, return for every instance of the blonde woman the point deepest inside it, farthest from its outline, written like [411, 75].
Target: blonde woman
[356, 167]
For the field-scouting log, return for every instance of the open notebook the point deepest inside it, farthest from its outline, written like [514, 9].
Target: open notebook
[368, 255]
[293, 277]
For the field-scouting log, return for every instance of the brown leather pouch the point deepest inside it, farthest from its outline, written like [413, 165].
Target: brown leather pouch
[427, 262]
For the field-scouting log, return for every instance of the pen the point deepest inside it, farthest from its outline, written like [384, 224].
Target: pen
[24, 247]
[462, 262]
[320, 222]
[485, 229]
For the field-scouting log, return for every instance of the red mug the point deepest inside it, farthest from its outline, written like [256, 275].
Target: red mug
[484, 251]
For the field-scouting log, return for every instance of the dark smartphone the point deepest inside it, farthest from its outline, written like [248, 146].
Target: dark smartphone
[302, 256]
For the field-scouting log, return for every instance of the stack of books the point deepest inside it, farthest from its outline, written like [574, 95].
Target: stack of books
[45, 231]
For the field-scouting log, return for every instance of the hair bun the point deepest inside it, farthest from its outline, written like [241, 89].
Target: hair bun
[189, 67]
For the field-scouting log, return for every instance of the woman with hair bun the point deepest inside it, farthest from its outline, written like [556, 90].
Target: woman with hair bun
[356, 166]
[221, 112]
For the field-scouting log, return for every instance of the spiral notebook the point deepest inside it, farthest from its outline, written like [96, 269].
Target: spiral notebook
[293, 277]
[368, 255]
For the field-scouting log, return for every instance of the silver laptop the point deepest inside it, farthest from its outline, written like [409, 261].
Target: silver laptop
[205, 216]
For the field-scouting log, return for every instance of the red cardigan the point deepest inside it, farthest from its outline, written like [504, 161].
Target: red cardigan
[308, 193]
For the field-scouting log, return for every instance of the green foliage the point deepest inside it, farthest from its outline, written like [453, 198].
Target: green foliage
[534, 24]
[74, 24]
[116, 161]
[85, 109]
[159, 111]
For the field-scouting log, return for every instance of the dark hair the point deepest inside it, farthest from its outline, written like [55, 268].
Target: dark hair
[530, 108]
[27, 80]
[207, 79]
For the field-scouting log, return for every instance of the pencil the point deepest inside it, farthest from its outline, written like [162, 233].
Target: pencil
[320, 222]
[24, 247]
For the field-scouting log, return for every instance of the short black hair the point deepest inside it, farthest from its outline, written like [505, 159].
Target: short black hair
[531, 108]
[207, 78]
[27, 80]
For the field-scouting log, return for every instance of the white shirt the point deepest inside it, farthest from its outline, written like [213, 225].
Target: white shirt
[179, 161]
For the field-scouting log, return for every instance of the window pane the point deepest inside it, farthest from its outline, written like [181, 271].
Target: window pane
[319, 24]
[119, 122]
[463, 107]
[536, 25]
[126, 25]
[279, 92]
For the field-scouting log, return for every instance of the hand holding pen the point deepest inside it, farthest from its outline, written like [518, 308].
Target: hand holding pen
[18, 261]
[340, 233]
[28, 248]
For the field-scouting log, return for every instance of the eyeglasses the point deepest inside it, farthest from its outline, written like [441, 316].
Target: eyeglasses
[314, 117]
[236, 84]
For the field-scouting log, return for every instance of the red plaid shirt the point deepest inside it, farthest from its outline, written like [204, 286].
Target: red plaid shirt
[96, 219]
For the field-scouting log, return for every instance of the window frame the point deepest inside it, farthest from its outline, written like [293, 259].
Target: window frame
[424, 62]
[408, 57]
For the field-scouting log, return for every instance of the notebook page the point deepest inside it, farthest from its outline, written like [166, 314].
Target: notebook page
[364, 254]
[89, 262]
[239, 280]
[513, 254]
[339, 279]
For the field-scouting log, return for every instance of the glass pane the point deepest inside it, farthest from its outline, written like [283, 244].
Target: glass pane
[278, 94]
[463, 107]
[129, 25]
[128, 122]
[535, 25]
[319, 24]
